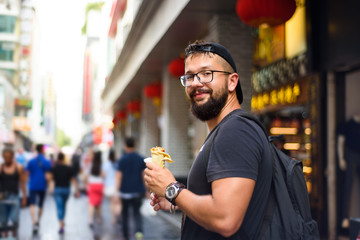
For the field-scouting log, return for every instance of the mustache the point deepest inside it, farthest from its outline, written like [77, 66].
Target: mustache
[199, 90]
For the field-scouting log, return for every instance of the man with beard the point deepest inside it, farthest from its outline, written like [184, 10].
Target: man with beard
[12, 176]
[229, 181]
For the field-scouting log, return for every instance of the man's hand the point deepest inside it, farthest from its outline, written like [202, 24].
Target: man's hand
[159, 203]
[157, 179]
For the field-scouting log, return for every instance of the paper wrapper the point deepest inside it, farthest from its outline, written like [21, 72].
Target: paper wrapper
[158, 156]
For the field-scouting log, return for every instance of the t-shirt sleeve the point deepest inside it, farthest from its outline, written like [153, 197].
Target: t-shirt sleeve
[236, 151]
[72, 172]
[120, 165]
[47, 165]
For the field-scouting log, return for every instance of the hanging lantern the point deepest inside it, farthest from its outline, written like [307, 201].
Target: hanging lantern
[121, 114]
[115, 122]
[271, 12]
[134, 107]
[153, 90]
[176, 67]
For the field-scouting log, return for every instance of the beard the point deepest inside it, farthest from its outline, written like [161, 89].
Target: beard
[212, 107]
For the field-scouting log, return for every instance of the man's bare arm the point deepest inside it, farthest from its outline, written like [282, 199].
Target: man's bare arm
[223, 211]
[118, 179]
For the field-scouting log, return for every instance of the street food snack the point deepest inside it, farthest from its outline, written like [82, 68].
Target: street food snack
[159, 156]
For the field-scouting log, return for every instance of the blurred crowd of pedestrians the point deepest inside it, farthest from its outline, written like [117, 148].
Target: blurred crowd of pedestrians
[26, 179]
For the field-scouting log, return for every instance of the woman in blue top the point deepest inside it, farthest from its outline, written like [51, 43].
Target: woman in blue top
[109, 169]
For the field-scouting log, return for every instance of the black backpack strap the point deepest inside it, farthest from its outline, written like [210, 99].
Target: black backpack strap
[270, 206]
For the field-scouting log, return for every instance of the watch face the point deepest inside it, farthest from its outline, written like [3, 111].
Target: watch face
[170, 192]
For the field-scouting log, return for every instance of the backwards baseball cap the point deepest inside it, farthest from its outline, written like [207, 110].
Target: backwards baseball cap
[222, 52]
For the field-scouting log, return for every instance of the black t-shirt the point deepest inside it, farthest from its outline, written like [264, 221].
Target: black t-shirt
[132, 166]
[62, 175]
[240, 149]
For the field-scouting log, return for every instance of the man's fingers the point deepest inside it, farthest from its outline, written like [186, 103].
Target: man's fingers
[156, 207]
[152, 166]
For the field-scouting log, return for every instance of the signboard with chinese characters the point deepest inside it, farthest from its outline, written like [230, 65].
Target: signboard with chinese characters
[292, 93]
[21, 102]
[21, 124]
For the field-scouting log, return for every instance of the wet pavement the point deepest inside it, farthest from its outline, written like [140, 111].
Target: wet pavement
[157, 226]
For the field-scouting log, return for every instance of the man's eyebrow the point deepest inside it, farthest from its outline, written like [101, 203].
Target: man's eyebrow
[203, 68]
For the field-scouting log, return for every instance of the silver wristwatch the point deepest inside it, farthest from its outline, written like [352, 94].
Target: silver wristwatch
[173, 190]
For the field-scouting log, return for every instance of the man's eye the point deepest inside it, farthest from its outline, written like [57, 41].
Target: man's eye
[189, 77]
[207, 73]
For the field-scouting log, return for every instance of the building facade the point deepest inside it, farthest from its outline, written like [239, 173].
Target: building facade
[298, 83]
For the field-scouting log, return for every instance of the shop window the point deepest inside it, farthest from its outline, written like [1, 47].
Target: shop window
[7, 24]
[7, 51]
[292, 130]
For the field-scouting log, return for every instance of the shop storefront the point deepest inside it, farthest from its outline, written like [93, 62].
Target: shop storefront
[291, 113]
[347, 137]
[287, 99]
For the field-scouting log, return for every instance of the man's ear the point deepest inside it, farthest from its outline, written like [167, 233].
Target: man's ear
[233, 81]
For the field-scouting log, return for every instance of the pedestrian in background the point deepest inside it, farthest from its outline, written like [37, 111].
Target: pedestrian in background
[62, 175]
[37, 169]
[230, 180]
[12, 177]
[76, 161]
[130, 182]
[95, 187]
[110, 192]
[20, 157]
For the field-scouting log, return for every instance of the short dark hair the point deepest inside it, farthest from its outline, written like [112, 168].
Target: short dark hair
[39, 148]
[130, 142]
[61, 157]
[8, 149]
[96, 164]
[112, 156]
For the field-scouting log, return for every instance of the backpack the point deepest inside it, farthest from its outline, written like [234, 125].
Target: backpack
[288, 213]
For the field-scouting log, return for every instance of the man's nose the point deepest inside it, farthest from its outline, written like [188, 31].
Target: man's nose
[196, 82]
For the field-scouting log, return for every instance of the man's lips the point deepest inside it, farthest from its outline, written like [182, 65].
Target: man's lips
[199, 93]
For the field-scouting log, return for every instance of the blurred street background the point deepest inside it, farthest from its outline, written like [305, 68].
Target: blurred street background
[80, 76]
[160, 226]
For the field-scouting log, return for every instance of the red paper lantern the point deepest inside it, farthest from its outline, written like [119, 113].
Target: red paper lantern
[121, 114]
[134, 106]
[176, 67]
[153, 90]
[271, 12]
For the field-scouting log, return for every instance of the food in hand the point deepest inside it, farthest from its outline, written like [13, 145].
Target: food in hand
[159, 156]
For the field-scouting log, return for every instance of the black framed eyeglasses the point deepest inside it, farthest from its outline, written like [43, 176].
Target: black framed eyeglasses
[205, 76]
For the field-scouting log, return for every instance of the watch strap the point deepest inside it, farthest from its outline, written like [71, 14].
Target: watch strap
[179, 186]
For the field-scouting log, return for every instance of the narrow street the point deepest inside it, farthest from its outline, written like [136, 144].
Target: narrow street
[156, 226]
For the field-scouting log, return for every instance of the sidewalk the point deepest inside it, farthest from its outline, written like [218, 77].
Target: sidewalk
[157, 226]
[173, 219]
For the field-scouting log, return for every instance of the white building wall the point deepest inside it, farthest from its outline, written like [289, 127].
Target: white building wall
[149, 130]
[174, 135]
